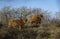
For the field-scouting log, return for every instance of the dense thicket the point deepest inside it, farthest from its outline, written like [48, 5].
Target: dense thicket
[48, 29]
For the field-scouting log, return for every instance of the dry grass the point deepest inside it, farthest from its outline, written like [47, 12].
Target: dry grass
[44, 31]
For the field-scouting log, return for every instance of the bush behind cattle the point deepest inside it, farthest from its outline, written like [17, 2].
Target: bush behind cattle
[45, 30]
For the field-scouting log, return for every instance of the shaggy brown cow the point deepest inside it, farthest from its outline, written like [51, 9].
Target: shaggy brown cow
[35, 18]
[17, 23]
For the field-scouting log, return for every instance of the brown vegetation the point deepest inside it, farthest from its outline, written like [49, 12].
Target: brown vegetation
[35, 18]
[17, 22]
